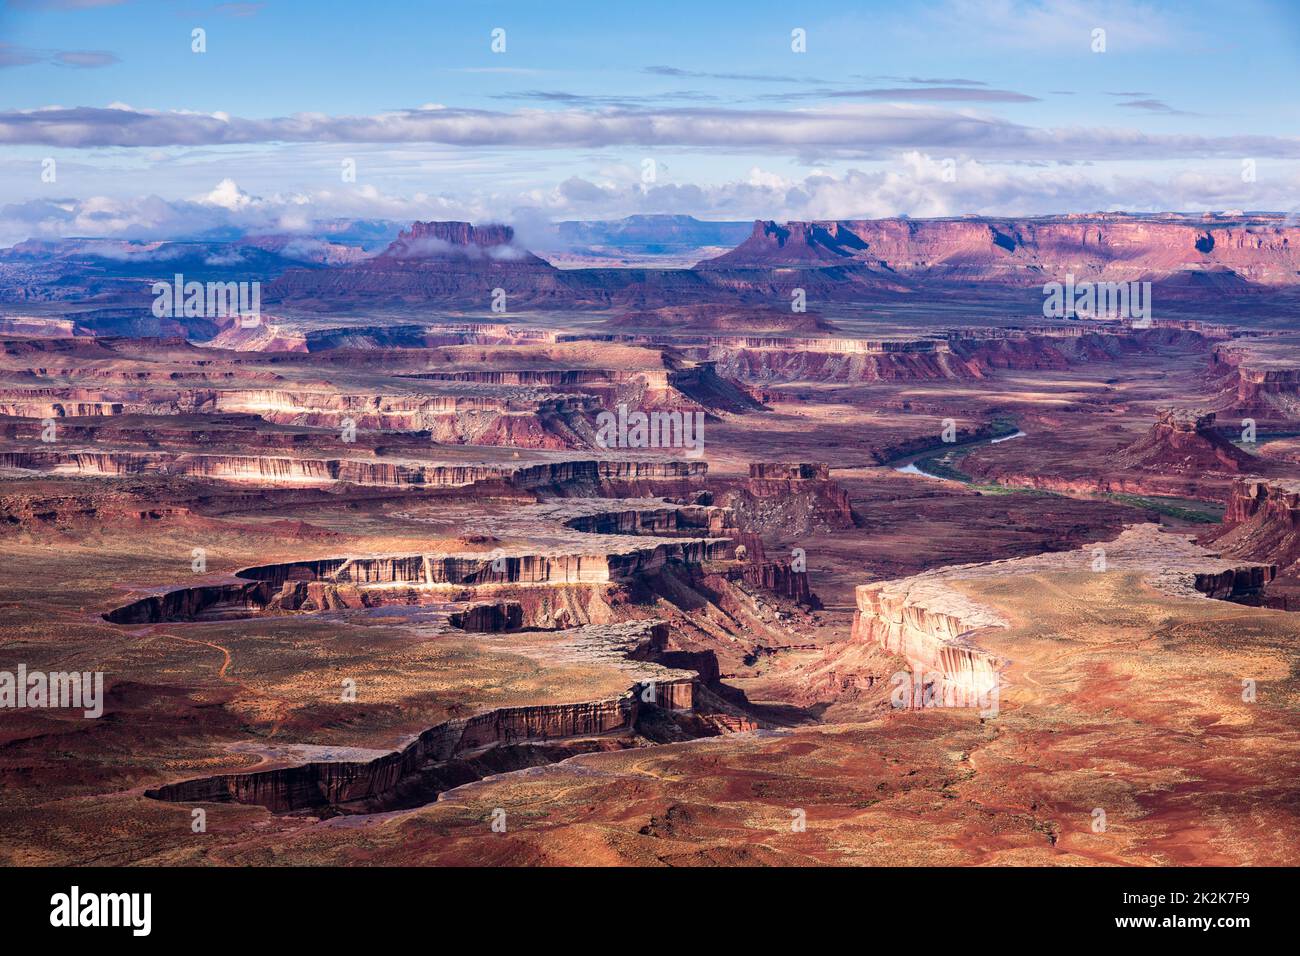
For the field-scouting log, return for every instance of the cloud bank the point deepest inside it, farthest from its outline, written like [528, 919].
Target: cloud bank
[913, 184]
[843, 131]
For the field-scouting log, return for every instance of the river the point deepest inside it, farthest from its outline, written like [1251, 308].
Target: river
[910, 467]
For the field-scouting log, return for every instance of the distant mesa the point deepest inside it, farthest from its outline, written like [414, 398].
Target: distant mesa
[1226, 254]
[455, 240]
[455, 263]
[835, 260]
[749, 288]
[795, 243]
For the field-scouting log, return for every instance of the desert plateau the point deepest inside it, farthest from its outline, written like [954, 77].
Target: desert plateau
[759, 459]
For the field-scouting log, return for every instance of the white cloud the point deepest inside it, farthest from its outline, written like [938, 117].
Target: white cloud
[845, 130]
[227, 195]
[765, 180]
[913, 183]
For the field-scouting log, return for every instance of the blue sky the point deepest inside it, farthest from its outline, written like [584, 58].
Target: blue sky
[920, 109]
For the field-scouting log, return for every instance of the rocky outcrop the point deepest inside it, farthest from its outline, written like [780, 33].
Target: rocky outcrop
[1262, 523]
[789, 470]
[1185, 441]
[786, 498]
[930, 624]
[189, 604]
[781, 579]
[1260, 377]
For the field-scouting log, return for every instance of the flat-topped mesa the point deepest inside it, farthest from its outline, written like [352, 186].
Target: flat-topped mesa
[669, 520]
[437, 240]
[265, 470]
[936, 626]
[688, 341]
[956, 355]
[1222, 252]
[486, 415]
[501, 567]
[285, 338]
[452, 262]
[777, 576]
[794, 243]
[938, 341]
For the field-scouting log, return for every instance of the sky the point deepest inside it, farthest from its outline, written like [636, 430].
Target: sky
[113, 124]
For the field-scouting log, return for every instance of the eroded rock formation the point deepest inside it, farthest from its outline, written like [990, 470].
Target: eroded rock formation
[458, 751]
[930, 621]
[1262, 523]
[1185, 441]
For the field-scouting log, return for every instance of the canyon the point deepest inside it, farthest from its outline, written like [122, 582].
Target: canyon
[367, 577]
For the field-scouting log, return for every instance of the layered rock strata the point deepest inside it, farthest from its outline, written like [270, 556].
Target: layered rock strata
[369, 581]
[323, 472]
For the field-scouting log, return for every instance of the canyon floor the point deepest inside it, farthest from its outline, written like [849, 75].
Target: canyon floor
[926, 593]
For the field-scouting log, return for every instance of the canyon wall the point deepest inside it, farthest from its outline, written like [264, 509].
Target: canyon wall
[368, 581]
[461, 750]
[1259, 377]
[1099, 246]
[322, 472]
[1262, 523]
[928, 623]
